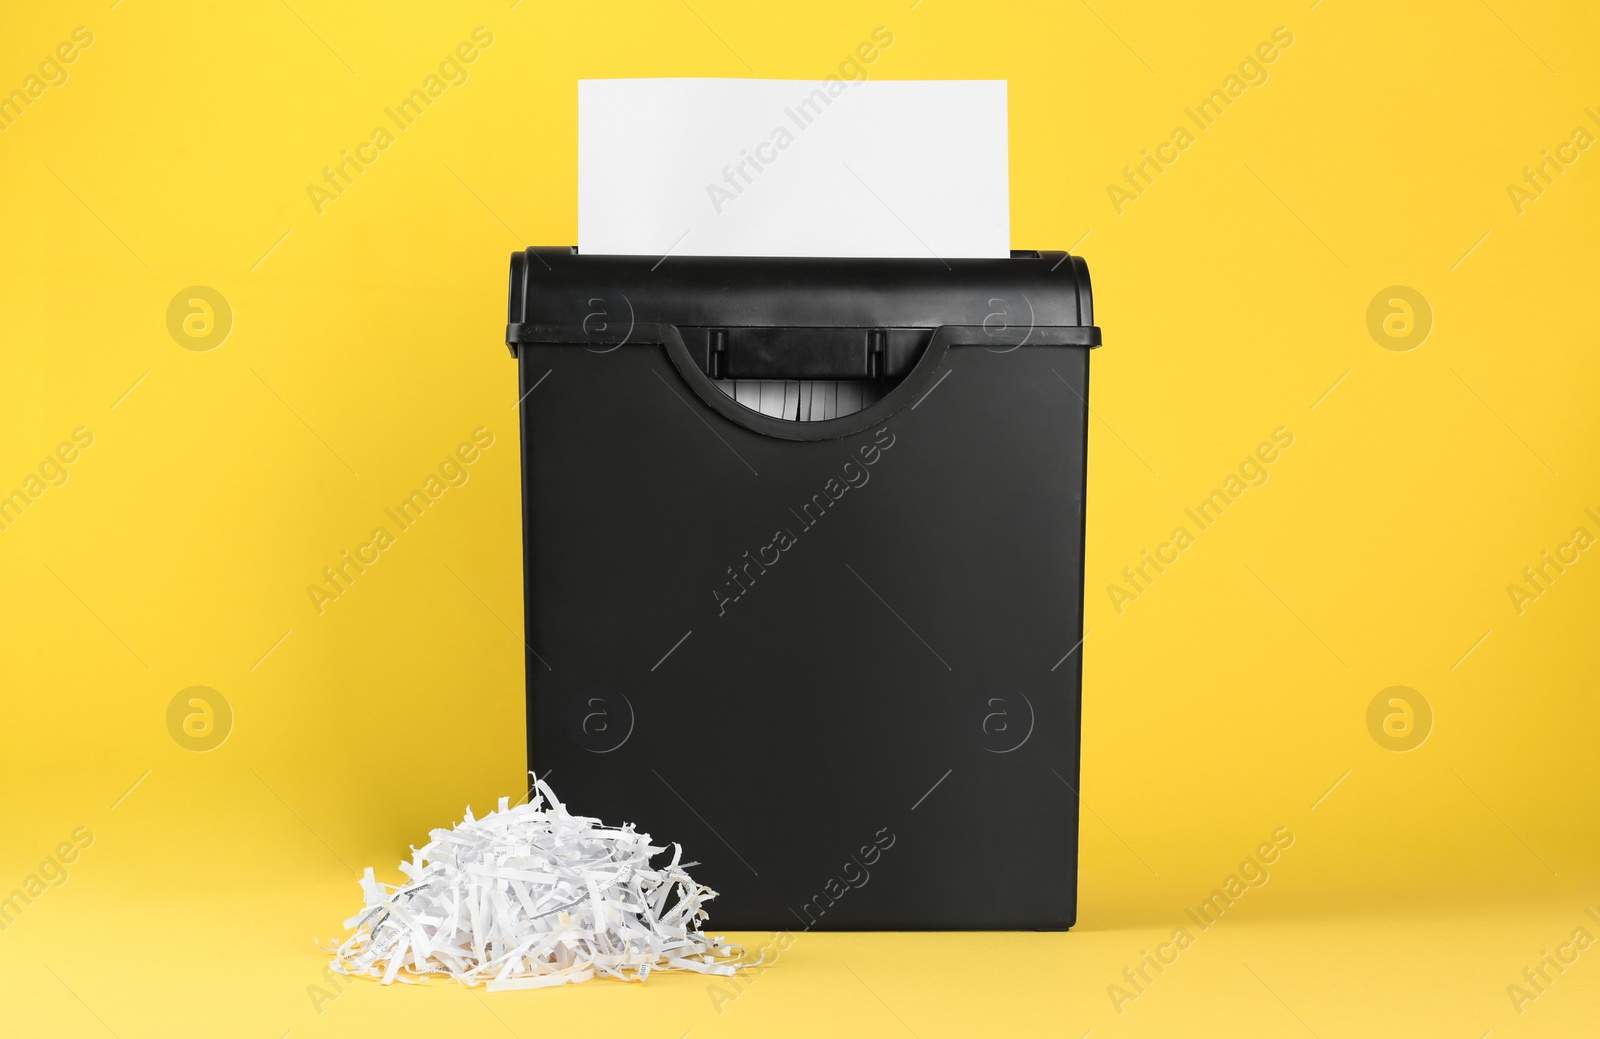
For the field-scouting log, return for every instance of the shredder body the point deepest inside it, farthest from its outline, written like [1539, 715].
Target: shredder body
[838, 661]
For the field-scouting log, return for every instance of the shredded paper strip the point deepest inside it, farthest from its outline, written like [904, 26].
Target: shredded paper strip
[533, 896]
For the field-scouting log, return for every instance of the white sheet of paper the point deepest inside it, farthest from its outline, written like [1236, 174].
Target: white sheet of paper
[766, 167]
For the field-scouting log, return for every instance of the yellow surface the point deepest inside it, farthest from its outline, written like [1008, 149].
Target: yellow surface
[1224, 702]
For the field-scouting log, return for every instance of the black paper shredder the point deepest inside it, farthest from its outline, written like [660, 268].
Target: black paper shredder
[803, 547]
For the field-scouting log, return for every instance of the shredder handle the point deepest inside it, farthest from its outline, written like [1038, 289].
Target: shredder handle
[909, 390]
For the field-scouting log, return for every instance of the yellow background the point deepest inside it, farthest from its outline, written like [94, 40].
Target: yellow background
[1225, 702]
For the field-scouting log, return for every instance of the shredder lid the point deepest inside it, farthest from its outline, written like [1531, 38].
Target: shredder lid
[558, 293]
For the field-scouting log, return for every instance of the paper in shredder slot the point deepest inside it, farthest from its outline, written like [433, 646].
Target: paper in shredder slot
[762, 167]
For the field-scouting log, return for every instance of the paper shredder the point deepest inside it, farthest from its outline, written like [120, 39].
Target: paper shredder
[803, 555]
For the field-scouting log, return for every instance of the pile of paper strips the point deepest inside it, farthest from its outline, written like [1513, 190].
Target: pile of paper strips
[533, 896]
